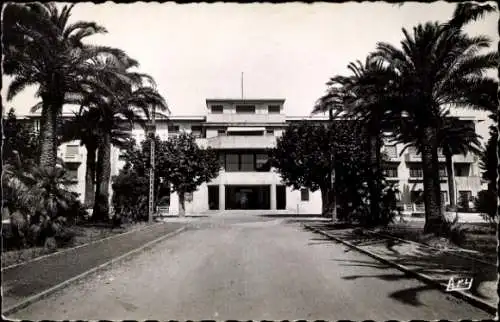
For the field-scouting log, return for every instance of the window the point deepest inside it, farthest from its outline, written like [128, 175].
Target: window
[71, 151]
[217, 109]
[416, 172]
[444, 197]
[247, 162]
[72, 171]
[417, 197]
[464, 198]
[412, 150]
[173, 128]
[72, 175]
[391, 151]
[261, 162]
[462, 170]
[273, 109]
[442, 171]
[222, 160]
[245, 133]
[390, 171]
[196, 131]
[304, 194]
[232, 162]
[250, 109]
[270, 132]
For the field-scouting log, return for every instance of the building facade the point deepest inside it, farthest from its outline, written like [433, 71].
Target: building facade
[240, 130]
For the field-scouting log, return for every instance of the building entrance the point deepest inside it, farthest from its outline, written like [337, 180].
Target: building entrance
[253, 197]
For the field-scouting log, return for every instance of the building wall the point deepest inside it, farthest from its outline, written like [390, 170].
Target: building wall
[278, 122]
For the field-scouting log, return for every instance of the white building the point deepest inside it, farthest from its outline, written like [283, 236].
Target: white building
[240, 130]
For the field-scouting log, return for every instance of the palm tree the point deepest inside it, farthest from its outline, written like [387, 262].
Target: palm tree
[41, 48]
[361, 97]
[489, 159]
[84, 127]
[127, 99]
[437, 67]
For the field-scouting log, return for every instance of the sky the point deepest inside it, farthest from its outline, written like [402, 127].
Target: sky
[199, 51]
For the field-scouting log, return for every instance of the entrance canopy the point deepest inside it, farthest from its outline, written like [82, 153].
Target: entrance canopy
[246, 129]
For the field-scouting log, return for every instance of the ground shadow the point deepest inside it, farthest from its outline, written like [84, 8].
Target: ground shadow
[431, 262]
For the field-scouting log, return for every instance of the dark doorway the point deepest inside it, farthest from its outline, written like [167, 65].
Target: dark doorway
[280, 197]
[213, 197]
[248, 197]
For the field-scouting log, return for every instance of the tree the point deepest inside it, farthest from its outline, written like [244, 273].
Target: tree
[306, 155]
[83, 127]
[436, 68]
[115, 108]
[137, 162]
[41, 48]
[130, 194]
[20, 139]
[487, 200]
[185, 165]
[361, 97]
[488, 158]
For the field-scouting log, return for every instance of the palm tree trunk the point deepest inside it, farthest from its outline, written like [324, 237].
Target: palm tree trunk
[451, 178]
[101, 205]
[432, 199]
[48, 126]
[90, 175]
[328, 200]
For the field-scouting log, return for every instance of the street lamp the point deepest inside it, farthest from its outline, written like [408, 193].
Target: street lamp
[151, 131]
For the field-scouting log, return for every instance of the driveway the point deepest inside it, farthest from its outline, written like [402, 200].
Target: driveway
[250, 268]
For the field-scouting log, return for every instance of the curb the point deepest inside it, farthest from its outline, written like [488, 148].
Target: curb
[34, 298]
[422, 277]
[79, 246]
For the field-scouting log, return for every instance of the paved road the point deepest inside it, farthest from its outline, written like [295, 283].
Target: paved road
[250, 268]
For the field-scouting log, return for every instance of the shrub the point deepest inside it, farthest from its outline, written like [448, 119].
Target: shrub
[454, 231]
[486, 204]
[358, 209]
[130, 196]
[41, 201]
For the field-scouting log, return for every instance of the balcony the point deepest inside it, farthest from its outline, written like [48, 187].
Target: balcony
[390, 153]
[469, 158]
[71, 154]
[413, 157]
[245, 118]
[241, 142]
[472, 183]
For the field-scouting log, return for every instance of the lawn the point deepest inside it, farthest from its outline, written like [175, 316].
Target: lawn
[84, 234]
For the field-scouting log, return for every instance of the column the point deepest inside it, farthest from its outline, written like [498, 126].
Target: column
[273, 196]
[173, 208]
[222, 197]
